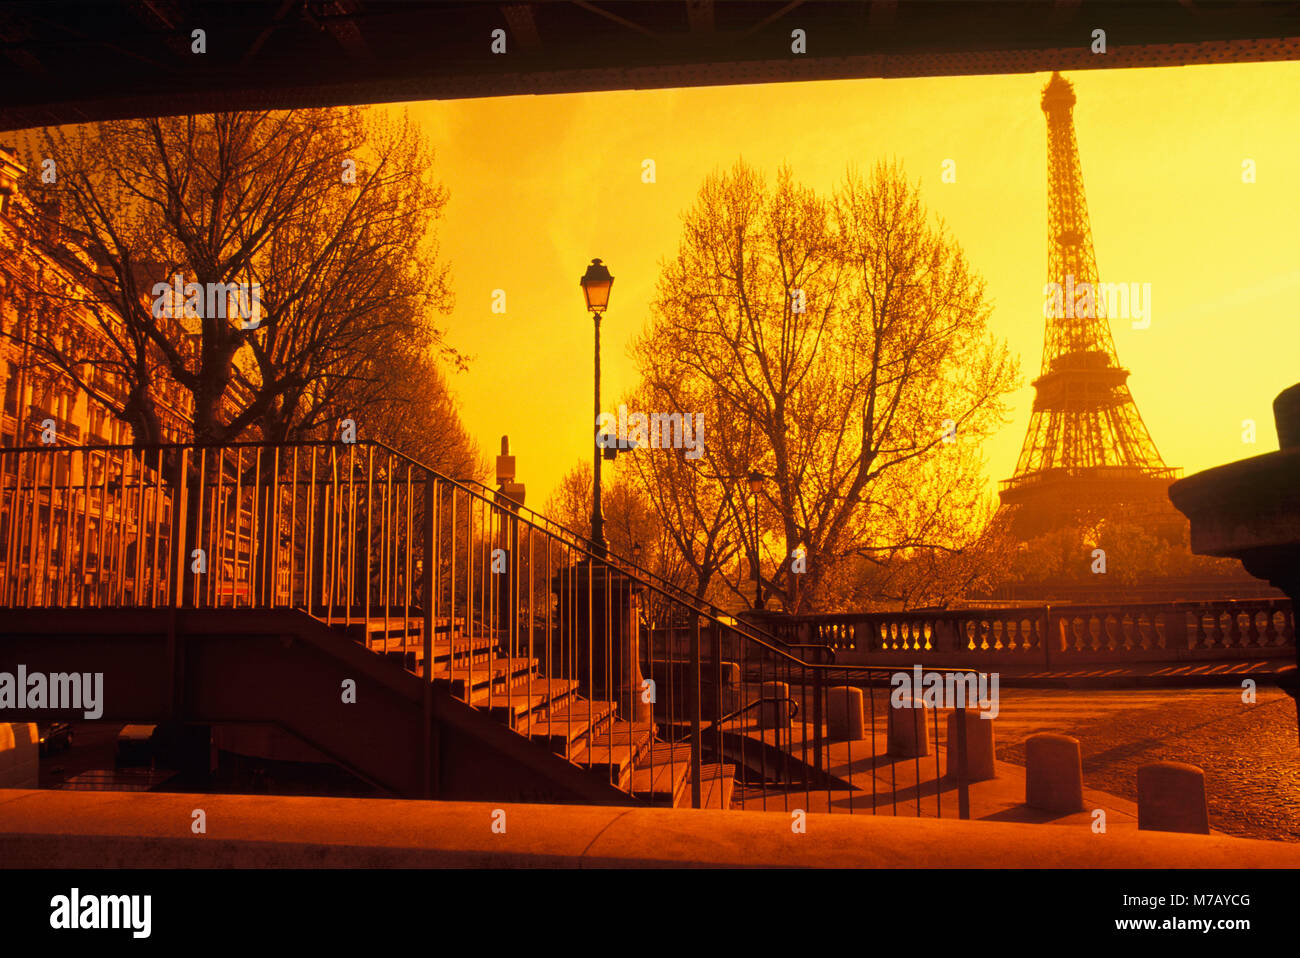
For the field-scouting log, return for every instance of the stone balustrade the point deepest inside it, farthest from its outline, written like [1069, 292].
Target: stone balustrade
[1052, 635]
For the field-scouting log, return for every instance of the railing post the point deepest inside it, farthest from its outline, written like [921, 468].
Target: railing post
[1047, 636]
[715, 649]
[430, 783]
[183, 533]
[180, 526]
[817, 711]
[963, 771]
[694, 684]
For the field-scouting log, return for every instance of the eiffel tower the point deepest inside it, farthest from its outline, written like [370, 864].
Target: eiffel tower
[1087, 455]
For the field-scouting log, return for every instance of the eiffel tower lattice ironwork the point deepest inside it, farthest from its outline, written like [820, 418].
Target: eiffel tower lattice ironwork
[1087, 454]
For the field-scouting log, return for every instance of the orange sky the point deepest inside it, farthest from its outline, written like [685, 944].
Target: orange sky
[540, 185]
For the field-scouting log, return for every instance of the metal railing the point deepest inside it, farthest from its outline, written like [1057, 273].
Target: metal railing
[676, 597]
[512, 613]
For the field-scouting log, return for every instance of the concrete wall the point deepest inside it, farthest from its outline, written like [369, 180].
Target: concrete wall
[67, 829]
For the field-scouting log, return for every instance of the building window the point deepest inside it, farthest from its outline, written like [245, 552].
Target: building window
[11, 390]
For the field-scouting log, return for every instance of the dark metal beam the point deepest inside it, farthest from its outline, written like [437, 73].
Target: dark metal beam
[523, 26]
[699, 14]
[72, 61]
[772, 18]
[342, 26]
[609, 15]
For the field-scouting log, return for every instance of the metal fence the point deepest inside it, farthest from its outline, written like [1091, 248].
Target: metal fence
[511, 612]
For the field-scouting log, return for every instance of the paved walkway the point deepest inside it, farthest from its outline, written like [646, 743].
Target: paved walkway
[1250, 752]
[914, 787]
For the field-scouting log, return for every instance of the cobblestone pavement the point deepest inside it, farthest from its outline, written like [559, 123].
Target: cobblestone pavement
[1249, 752]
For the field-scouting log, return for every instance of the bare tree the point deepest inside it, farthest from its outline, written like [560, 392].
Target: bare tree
[700, 501]
[319, 214]
[842, 350]
[629, 520]
[414, 410]
[632, 528]
[937, 576]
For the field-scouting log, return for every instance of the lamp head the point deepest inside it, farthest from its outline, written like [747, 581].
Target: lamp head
[596, 283]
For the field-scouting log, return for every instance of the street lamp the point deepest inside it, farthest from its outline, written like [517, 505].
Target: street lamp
[755, 486]
[596, 283]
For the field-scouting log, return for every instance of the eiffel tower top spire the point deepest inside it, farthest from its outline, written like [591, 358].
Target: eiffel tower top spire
[1087, 449]
[1069, 232]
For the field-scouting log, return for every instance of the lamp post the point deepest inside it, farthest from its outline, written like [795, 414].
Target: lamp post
[596, 283]
[510, 495]
[755, 485]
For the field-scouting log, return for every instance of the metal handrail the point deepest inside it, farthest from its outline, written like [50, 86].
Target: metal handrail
[698, 603]
[335, 530]
[584, 546]
[794, 710]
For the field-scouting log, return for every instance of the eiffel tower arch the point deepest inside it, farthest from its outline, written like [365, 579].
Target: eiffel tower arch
[1087, 454]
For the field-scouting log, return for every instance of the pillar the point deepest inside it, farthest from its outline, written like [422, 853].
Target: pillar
[1053, 773]
[1171, 798]
[908, 729]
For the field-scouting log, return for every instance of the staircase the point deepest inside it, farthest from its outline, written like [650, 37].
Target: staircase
[552, 714]
[494, 653]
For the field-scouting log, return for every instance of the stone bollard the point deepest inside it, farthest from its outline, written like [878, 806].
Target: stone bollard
[980, 765]
[909, 729]
[1053, 773]
[844, 720]
[19, 755]
[775, 710]
[1171, 798]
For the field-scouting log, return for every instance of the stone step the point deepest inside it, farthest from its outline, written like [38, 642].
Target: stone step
[614, 752]
[483, 646]
[566, 728]
[664, 776]
[375, 632]
[404, 660]
[412, 660]
[717, 784]
[497, 671]
[510, 707]
[516, 666]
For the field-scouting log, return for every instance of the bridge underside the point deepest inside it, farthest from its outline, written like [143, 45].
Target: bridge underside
[137, 59]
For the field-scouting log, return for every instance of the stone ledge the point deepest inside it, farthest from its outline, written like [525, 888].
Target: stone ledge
[66, 829]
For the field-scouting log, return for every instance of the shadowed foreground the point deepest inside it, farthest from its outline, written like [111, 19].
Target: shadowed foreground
[125, 830]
